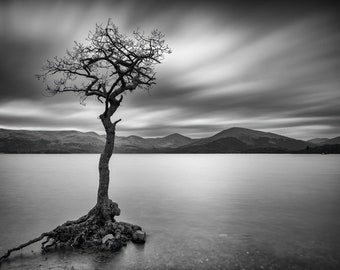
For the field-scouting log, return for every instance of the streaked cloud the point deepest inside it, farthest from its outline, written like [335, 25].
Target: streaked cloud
[262, 66]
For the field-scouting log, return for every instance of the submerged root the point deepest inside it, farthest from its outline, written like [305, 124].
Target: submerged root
[90, 231]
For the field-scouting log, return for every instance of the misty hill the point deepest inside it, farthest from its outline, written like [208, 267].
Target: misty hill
[325, 141]
[318, 140]
[29, 141]
[233, 140]
[139, 144]
[241, 140]
[132, 144]
[171, 141]
[333, 141]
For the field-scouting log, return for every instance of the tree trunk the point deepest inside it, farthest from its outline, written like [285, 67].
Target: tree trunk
[105, 207]
[104, 172]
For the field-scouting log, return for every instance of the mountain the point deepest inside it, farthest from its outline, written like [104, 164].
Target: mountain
[333, 141]
[171, 141]
[240, 140]
[233, 140]
[137, 144]
[28, 141]
[325, 141]
[318, 140]
[132, 144]
[223, 145]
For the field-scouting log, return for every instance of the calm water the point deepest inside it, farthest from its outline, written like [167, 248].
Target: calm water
[199, 211]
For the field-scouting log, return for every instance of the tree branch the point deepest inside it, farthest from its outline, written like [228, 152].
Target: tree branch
[116, 122]
[108, 66]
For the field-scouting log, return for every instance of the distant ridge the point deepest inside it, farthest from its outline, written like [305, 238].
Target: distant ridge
[29, 141]
[318, 140]
[333, 141]
[232, 140]
[325, 141]
[243, 140]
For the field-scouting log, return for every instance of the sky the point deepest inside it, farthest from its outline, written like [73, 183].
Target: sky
[266, 65]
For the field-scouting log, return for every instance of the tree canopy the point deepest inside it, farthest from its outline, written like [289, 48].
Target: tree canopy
[108, 65]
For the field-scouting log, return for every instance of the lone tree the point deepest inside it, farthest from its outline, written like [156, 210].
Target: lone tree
[109, 65]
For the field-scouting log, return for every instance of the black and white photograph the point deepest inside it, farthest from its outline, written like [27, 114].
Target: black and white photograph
[153, 134]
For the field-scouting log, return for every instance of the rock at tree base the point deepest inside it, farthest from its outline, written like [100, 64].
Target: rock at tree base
[107, 237]
[91, 231]
[112, 245]
[139, 237]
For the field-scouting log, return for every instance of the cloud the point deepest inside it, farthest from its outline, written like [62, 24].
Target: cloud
[262, 66]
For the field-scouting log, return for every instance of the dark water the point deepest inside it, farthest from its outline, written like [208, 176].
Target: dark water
[199, 211]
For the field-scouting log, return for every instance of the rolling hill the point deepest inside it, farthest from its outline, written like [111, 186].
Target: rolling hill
[233, 140]
[29, 141]
[333, 141]
[137, 144]
[317, 141]
[243, 140]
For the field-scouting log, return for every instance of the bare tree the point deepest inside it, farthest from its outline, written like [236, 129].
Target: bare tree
[109, 65]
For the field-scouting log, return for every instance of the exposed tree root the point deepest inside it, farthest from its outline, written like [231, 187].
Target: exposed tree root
[98, 229]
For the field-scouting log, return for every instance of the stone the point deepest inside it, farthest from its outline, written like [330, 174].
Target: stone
[106, 238]
[139, 237]
[117, 236]
[114, 245]
[136, 228]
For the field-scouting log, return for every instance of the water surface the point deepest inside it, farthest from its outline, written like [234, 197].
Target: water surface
[200, 211]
